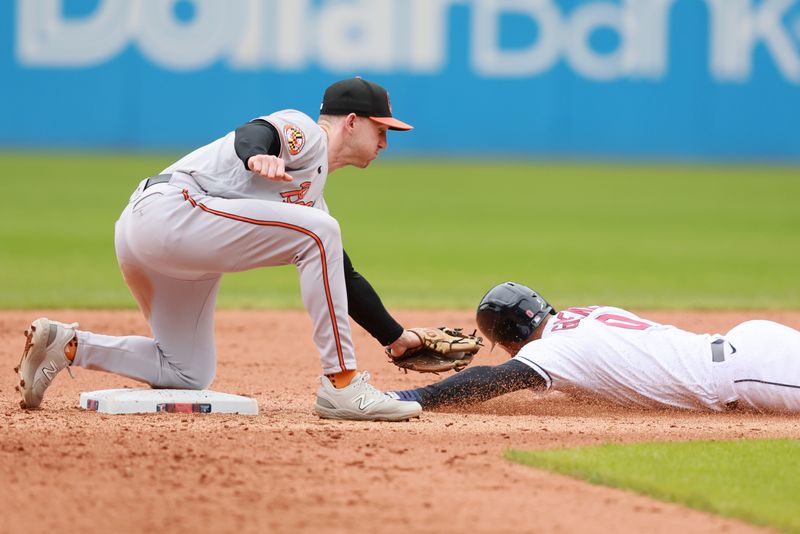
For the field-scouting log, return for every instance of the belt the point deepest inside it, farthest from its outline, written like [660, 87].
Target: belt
[722, 371]
[154, 180]
[717, 349]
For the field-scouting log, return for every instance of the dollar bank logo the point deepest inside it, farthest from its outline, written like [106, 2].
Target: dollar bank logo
[413, 36]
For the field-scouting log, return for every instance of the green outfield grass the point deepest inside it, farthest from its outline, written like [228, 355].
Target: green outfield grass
[754, 480]
[439, 234]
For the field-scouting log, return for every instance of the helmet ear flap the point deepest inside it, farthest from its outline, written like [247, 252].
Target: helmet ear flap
[501, 326]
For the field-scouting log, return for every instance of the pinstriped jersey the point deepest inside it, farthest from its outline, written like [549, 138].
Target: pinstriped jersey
[613, 354]
[304, 148]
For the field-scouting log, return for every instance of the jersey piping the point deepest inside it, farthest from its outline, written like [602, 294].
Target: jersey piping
[767, 382]
[300, 229]
[536, 367]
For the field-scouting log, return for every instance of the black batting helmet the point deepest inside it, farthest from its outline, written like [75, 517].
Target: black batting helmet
[510, 312]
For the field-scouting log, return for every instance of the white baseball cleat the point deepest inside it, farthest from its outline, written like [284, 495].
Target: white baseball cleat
[360, 401]
[42, 359]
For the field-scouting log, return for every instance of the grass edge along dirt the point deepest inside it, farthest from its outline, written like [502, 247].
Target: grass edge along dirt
[755, 480]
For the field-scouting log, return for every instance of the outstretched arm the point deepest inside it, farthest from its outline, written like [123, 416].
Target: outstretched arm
[475, 384]
[365, 307]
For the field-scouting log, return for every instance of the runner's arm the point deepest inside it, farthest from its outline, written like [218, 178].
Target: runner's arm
[475, 384]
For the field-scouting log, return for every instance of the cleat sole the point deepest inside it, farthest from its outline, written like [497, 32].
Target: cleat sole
[28, 345]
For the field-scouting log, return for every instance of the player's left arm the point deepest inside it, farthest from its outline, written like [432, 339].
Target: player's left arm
[365, 307]
[475, 384]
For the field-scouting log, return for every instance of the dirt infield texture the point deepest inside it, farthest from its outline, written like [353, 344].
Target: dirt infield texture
[66, 470]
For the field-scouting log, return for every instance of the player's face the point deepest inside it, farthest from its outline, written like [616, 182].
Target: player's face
[368, 138]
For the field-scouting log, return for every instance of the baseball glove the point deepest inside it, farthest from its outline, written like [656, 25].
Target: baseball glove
[443, 349]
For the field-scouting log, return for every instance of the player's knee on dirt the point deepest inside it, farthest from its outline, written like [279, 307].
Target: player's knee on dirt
[179, 381]
[174, 378]
[201, 380]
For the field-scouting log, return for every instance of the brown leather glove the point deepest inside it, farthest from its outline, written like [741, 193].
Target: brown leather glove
[443, 349]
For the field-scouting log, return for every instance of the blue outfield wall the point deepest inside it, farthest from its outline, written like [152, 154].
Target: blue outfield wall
[693, 79]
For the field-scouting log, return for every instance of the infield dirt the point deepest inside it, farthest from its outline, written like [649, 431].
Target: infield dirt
[66, 470]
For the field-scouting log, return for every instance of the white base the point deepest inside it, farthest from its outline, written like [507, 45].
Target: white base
[144, 400]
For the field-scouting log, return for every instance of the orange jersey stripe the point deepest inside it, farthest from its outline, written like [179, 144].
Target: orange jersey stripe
[300, 229]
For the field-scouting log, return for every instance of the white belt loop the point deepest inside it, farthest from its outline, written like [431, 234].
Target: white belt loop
[722, 370]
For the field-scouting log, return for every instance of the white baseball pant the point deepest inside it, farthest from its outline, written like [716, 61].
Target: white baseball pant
[174, 243]
[766, 370]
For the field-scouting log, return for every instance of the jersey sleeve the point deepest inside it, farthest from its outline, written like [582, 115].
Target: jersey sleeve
[256, 138]
[534, 355]
[302, 140]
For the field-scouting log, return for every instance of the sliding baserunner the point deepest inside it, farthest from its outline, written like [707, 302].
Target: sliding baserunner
[615, 355]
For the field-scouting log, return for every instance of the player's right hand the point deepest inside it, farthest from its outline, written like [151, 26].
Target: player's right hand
[408, 340]
[270, 167]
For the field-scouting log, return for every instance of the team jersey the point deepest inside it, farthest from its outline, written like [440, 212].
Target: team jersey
[613, 354]
[304, 149]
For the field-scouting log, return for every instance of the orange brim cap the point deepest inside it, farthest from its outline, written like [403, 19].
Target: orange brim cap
[393, 123]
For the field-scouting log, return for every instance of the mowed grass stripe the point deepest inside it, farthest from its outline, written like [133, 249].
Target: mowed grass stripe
[435, 234]
[754, 480]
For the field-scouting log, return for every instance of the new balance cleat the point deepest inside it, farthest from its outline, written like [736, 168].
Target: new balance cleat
[360, 401]
[42, 359]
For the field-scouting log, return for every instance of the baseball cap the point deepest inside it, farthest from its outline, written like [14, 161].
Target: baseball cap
[362, 97]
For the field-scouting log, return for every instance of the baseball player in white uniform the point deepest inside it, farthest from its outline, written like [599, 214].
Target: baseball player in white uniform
[253, 198]
[612, 354]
